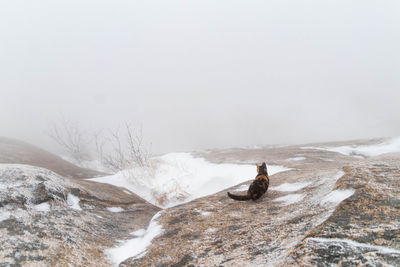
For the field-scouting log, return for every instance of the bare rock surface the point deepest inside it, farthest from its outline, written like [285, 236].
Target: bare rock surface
[329, 209]
[364, 228]
[50, 220]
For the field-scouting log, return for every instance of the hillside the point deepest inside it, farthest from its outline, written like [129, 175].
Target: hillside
[18, 152]
[330, 208]
[47, 219]
[328, 204]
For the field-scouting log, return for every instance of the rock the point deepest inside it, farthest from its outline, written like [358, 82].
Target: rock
[329, 209]
[347, 214]
[49, 220]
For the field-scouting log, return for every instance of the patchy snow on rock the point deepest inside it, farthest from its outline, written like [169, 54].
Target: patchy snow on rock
[137, 246]
[177, 178]
[390, 146]
[354, 245]
[290, 199]
[20, 183]
[337, 196]
[296, 159]
[244, 187]
[290, 187]
[115, 209]
[4, 214]
[203, 213]
[73, 202]
[43, 207]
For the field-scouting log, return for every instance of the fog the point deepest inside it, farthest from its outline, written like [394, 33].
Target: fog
[202, 74]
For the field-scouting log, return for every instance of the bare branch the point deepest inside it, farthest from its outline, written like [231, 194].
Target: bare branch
[71, 139]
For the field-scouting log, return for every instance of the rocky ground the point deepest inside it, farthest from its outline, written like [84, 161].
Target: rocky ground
[303, 220]
[50, 220]
[329, 209]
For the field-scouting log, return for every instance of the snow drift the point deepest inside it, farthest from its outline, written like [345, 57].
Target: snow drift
[177, 178]
[390, 146]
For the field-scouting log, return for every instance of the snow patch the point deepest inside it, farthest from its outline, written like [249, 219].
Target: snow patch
[4, 215]
[290, 187]
[296, 159]
[73, 202]
[390, 146]
[244, 187]
[203, 213]
[352, 243]
[337, 196]
[42, 207]
[178, 178]
[115, 209]
[290, 199]
[137, 246]
[140, 232]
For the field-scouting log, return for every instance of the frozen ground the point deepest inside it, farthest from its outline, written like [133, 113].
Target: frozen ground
[177, 178]
[136, 246]
[296, 159]
[50, 220]
[290, 187]
[290, 199]
[389, 146]
[337, 196]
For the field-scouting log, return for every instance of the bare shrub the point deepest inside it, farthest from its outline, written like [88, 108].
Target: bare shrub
[72, 140]
[121, 149]
[116, 150]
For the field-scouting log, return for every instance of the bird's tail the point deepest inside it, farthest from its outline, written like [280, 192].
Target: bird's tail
[240, 198]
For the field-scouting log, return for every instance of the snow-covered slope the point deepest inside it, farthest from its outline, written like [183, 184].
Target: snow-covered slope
[177, 178]
[361, 151]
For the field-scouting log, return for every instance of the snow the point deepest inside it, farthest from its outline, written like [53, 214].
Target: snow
[290, 199]
[204, 213]
[73, 202]
[390, 146]
[137, 246]
[352, 243]
[337, 196]
[4, 215]
[115, 209]
[177, 178]
[244, 187]
[290, 187]
[19, 182]
[296, 159]
[139, 232]
[43, 207]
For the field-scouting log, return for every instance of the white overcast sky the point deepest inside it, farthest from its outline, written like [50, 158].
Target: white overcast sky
[202, 74]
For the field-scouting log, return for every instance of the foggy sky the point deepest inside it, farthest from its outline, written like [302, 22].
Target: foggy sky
[202, 74]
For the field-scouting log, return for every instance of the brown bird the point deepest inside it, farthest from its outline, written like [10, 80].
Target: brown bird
[258, 187]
